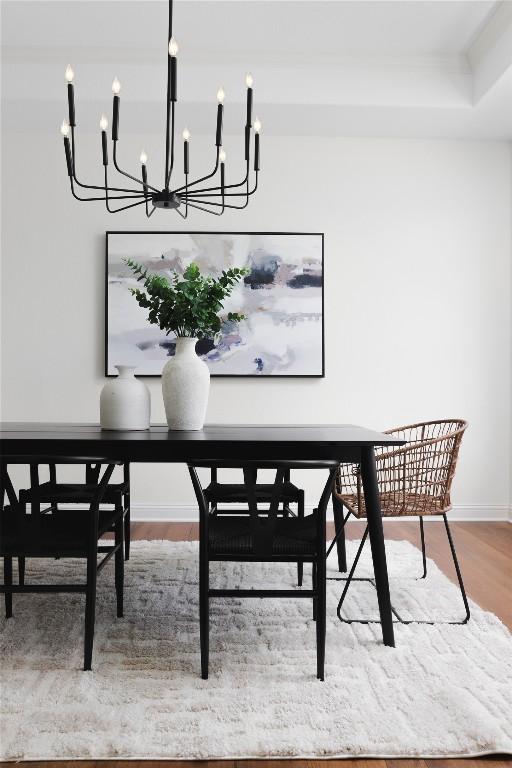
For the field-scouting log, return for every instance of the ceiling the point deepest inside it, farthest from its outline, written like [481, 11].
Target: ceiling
[437, 68]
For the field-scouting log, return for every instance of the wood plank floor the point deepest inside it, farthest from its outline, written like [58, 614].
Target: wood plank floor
[485, 556]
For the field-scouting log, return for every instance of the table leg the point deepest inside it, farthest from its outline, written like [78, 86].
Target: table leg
[373, 514]
[337, 508]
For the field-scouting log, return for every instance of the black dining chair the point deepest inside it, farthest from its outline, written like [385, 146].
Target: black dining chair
[54, 493]
[55, 533]
[256, 536]
[221, 495]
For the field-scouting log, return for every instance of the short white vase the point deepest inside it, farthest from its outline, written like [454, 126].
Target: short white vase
[185, 387]
[125, 402]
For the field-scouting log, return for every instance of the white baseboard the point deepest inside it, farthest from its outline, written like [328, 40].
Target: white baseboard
[167, 513]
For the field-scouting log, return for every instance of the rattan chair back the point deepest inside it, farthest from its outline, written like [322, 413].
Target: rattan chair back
[414, 479]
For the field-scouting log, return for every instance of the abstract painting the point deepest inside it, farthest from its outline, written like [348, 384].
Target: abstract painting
[281, 298]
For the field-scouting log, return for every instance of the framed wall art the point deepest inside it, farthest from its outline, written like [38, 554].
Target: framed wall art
[282, 298]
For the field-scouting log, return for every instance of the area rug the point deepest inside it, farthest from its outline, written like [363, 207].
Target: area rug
[443, 691]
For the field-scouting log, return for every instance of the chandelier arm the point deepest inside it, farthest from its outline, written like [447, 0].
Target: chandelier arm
[107, 199]
[96, 199]
[204, 178]
[89, 186]
[230, 194]
[215, 190]
[144, 175]
[124, 207]
[186, 195]
[200, 208]
[227, 186]
[219, 194]
[129, 176]
[247, 195]
[171, 166]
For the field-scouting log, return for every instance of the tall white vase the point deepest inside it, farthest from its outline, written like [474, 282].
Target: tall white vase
[125, 403]
[185, 387]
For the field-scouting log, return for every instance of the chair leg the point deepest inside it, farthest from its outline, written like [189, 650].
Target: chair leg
[339, 527]
[119, 566]
[8, 583]
[300, 565]
[351, 574]
[315, 581]
[127, 531]
[204, 614]
[21, 571]
[457, 568]
[90, 608]
[423, 551]
[320, 617]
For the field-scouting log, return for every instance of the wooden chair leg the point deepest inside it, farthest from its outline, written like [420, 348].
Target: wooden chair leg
[320, 618]
[314, 580]
[339, 527]
[90, 608]
[21, 571]
[300, 565]
[119, 565]
[8, 583]
[423, 551]
[204, 615]
[127, 531]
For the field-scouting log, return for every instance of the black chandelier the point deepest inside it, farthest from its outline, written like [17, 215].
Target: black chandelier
[213, 199]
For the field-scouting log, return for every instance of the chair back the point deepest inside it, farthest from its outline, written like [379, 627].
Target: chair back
[262, 522]
[427, 467]
[416, 478]
[24, 522]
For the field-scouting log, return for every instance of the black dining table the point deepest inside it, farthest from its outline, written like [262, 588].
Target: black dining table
[226, 442]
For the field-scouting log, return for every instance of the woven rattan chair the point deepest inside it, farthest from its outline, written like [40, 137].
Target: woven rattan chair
[414, 480]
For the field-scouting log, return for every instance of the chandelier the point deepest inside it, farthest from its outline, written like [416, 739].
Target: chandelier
[208, 193]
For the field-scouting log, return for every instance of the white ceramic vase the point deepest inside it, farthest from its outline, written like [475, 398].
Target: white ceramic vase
[125, 403]
[185, 387]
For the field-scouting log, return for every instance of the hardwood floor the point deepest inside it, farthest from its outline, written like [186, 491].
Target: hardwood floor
[485, 555]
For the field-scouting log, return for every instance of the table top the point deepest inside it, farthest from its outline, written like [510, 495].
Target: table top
[212, 433]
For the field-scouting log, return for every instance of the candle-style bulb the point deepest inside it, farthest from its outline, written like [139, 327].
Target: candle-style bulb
[69, 73]
[116, 87]
[221, 95]
[173, 47]
[64, 129]
[143, 158]
[186, 135]
[222, 156]
[103, 123]
[257, 126]
[249, 80]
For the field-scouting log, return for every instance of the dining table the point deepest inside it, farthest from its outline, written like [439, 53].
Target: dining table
[346, 443]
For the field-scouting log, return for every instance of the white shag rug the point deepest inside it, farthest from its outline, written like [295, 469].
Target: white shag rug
[443, 691]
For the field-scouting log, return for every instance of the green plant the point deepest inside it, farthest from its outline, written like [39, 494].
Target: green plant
[188, 304]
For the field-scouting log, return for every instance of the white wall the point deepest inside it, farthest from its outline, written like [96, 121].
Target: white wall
[418, 294]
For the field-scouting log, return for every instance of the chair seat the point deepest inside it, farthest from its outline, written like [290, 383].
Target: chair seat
[63, 533]
[225, 493]
[72, 493]
[232, 536]
[397, 505]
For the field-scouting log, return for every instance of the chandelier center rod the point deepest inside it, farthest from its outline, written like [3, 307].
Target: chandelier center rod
[168, 103]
